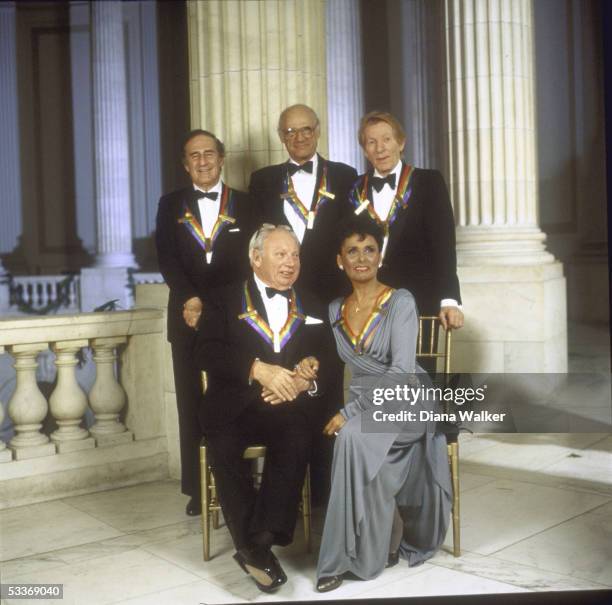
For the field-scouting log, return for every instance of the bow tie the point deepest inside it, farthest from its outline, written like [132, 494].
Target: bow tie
[379, 182]
[293, 168]
[270, 292]
[211, 195]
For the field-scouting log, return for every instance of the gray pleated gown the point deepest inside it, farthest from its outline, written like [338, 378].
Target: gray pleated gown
[400, 467]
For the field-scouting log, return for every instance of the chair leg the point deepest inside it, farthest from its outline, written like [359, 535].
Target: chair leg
[306, 512]
[204, 477]
[454, 464]
[214, 502]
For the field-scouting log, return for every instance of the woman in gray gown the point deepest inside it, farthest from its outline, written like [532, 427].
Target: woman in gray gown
[391, 490]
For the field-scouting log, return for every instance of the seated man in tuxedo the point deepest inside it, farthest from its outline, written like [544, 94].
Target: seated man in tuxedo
[310, 193]
[262, 345]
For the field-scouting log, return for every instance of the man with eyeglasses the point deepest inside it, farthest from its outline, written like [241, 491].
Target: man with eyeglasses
[311, 195]
[202, 236]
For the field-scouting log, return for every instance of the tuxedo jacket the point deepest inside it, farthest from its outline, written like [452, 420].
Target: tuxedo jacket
[182, 260]
[319, 273]
[228, 344]
[420, 254]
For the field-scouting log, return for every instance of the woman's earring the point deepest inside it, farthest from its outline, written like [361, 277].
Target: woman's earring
[341, 267]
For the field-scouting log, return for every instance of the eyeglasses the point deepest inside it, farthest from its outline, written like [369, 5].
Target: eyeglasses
[305, 131]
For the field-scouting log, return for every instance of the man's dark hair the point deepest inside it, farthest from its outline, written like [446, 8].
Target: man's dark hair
[361, 225]
[219, 146]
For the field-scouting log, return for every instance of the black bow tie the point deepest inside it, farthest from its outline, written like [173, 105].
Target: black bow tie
[211, 195]
[293, 168]
[270, 292]
[379, 182]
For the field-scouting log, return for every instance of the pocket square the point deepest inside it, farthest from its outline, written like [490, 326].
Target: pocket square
[233, 230]
[312, 320]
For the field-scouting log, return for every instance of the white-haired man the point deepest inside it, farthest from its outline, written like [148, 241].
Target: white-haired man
[263, 345]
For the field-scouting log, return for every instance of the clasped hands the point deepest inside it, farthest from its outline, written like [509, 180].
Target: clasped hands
[279, 384]
[192, 310]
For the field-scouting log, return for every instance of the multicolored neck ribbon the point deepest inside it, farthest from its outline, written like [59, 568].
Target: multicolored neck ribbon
[277, 340]
[359, 198]
[323, 195]
[226, 210]
[358, 342]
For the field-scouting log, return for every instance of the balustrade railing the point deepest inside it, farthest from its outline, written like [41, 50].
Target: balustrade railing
[109, 335]
[40, 293]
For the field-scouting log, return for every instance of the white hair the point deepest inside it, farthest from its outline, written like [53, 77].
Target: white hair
[259, 237]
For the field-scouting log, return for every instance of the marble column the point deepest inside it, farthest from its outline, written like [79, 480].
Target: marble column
[247, 62]
[10, 169]
[514, 290]
[108, 279]
[345, 98]
[111, 140]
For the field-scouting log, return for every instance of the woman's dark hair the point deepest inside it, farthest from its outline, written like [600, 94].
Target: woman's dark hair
[361, 225]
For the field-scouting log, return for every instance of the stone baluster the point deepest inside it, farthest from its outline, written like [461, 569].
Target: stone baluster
[107, 396]
[68, 401]
[5, 454]
[28, 406]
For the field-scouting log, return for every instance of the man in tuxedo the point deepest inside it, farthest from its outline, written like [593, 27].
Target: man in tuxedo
[413, 207]
[202, 237]
[263, 344]
[310, 194]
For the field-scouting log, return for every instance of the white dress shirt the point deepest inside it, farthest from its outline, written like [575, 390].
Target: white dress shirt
[382, 201]
[209, 211]
[277, 309]
[304, 184]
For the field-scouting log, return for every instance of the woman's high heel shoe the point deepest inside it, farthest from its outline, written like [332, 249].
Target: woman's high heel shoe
[329, 583]
[393, 559]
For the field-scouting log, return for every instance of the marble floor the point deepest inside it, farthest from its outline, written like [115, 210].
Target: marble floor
[536, 516]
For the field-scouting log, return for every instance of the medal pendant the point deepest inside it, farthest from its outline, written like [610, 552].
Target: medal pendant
[276, 342]
[362, 206]
[311, 217]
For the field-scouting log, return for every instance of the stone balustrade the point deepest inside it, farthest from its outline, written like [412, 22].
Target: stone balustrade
[127, 441]
[39, 292]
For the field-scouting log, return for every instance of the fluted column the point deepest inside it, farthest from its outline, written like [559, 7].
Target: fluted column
[111, 151]
[513, 290]
[28, 406]
[491, 131]
[247, 61]
[10, 169]
[345, 100]
[107, 397]
[68, 402]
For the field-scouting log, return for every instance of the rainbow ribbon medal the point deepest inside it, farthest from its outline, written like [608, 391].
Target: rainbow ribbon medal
[307, 216]
[360, 202]
[225, 217]
[277, 340]
[359, 341]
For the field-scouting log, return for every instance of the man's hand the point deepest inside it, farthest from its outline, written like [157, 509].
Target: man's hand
[302, 385]
[308, 368]
[334, 425]
[276, 379]
[451, 318]
[192, 310]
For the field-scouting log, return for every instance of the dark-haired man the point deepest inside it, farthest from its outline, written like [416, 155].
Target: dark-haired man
[202, 237]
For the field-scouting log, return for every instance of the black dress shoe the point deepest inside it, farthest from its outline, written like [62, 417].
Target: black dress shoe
[266, 571]
[393, 559]
[194, 507]
[329, 583]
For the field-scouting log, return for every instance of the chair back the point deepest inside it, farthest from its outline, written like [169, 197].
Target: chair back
[428, 345]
